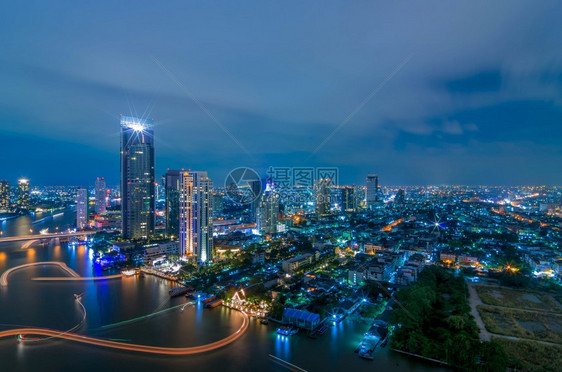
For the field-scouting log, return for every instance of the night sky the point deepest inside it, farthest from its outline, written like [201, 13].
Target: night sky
[474, 94]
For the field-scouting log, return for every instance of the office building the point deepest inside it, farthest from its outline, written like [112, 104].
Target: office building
[322, 199]
[172, 187]
[196, 215]
[23, 194]
[268, 210]
[348, 200]
[4, 196]
[81, 208]
[101, 196]
[137, 178]
[372, 190]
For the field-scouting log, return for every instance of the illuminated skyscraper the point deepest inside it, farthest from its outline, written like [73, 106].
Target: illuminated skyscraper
[4, 196]
[268, 210]
[348, 201]
[137, 178]
[322, 199]
[23, 194]
[81, 208]
[101, 195]
[185, 222]
[196, 215]
[172, 182]
[372, 190]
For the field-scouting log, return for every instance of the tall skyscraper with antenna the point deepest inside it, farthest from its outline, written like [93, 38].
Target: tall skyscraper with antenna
[137, 178]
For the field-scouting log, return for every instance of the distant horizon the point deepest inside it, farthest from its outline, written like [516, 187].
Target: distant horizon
[423, 95]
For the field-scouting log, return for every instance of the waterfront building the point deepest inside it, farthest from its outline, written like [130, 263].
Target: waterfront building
[372, 190]
[322, 200]
[23, 194]
[137, 178]
[81, 208]
[268, 210]
[101, 195]
[4, 196]
[172, 186]
[196, 215]
[348, 200]
[300, 318]
[154, 253]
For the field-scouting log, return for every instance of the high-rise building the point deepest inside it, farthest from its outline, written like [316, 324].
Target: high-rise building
[101, 195]
[218, 203]
[23, 194]
[372, 190]
[196, 215]
[322, 200]
[172, 185]
[81, 208]
[400, 197]
[348, 200]
[4, 196]
[268, 210]
[137, 178]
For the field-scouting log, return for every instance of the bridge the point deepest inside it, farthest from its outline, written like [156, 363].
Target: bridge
[23, 238]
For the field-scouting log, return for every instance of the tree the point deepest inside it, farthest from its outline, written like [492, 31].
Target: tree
[494, 356]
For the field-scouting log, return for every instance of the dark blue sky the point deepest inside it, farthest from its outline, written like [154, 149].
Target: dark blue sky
[479, 101]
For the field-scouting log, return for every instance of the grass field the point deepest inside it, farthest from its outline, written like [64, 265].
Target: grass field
[532, 356]
[527, 300]
[542, 327]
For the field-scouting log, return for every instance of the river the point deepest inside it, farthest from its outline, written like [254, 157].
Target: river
[25, 302]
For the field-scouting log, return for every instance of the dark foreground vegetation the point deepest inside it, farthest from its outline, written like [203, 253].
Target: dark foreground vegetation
[432, 319]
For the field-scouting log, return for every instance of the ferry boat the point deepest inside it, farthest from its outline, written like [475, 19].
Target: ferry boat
[209, 299]
[174, 292]
[287, 331]
[214, 303]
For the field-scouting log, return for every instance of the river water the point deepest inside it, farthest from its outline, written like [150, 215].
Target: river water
[25, 302]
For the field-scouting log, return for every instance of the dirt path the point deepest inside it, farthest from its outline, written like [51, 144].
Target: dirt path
[475, 301]
[485, 335]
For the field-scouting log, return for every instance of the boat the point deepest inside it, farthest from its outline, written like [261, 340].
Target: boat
[78, 296]
[264, 321]
[174, 292]
[129, 272]
[141, 275]
[214, 303]
[287, 331]
[209, 299]
[366, 355]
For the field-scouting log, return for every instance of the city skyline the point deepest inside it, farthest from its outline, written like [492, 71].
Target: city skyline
[466, 103]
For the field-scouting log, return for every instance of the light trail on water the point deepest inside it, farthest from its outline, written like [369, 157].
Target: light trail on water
[131, 347]
[146, 316]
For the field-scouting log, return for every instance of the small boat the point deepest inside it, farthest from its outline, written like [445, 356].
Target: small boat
[366, 355]
[78, 296]
[141, 275]
[264, 321]
[209, 299]
[287, 331]
[177, 291]
[214, 303]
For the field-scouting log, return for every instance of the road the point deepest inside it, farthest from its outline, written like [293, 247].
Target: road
[22, 238]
